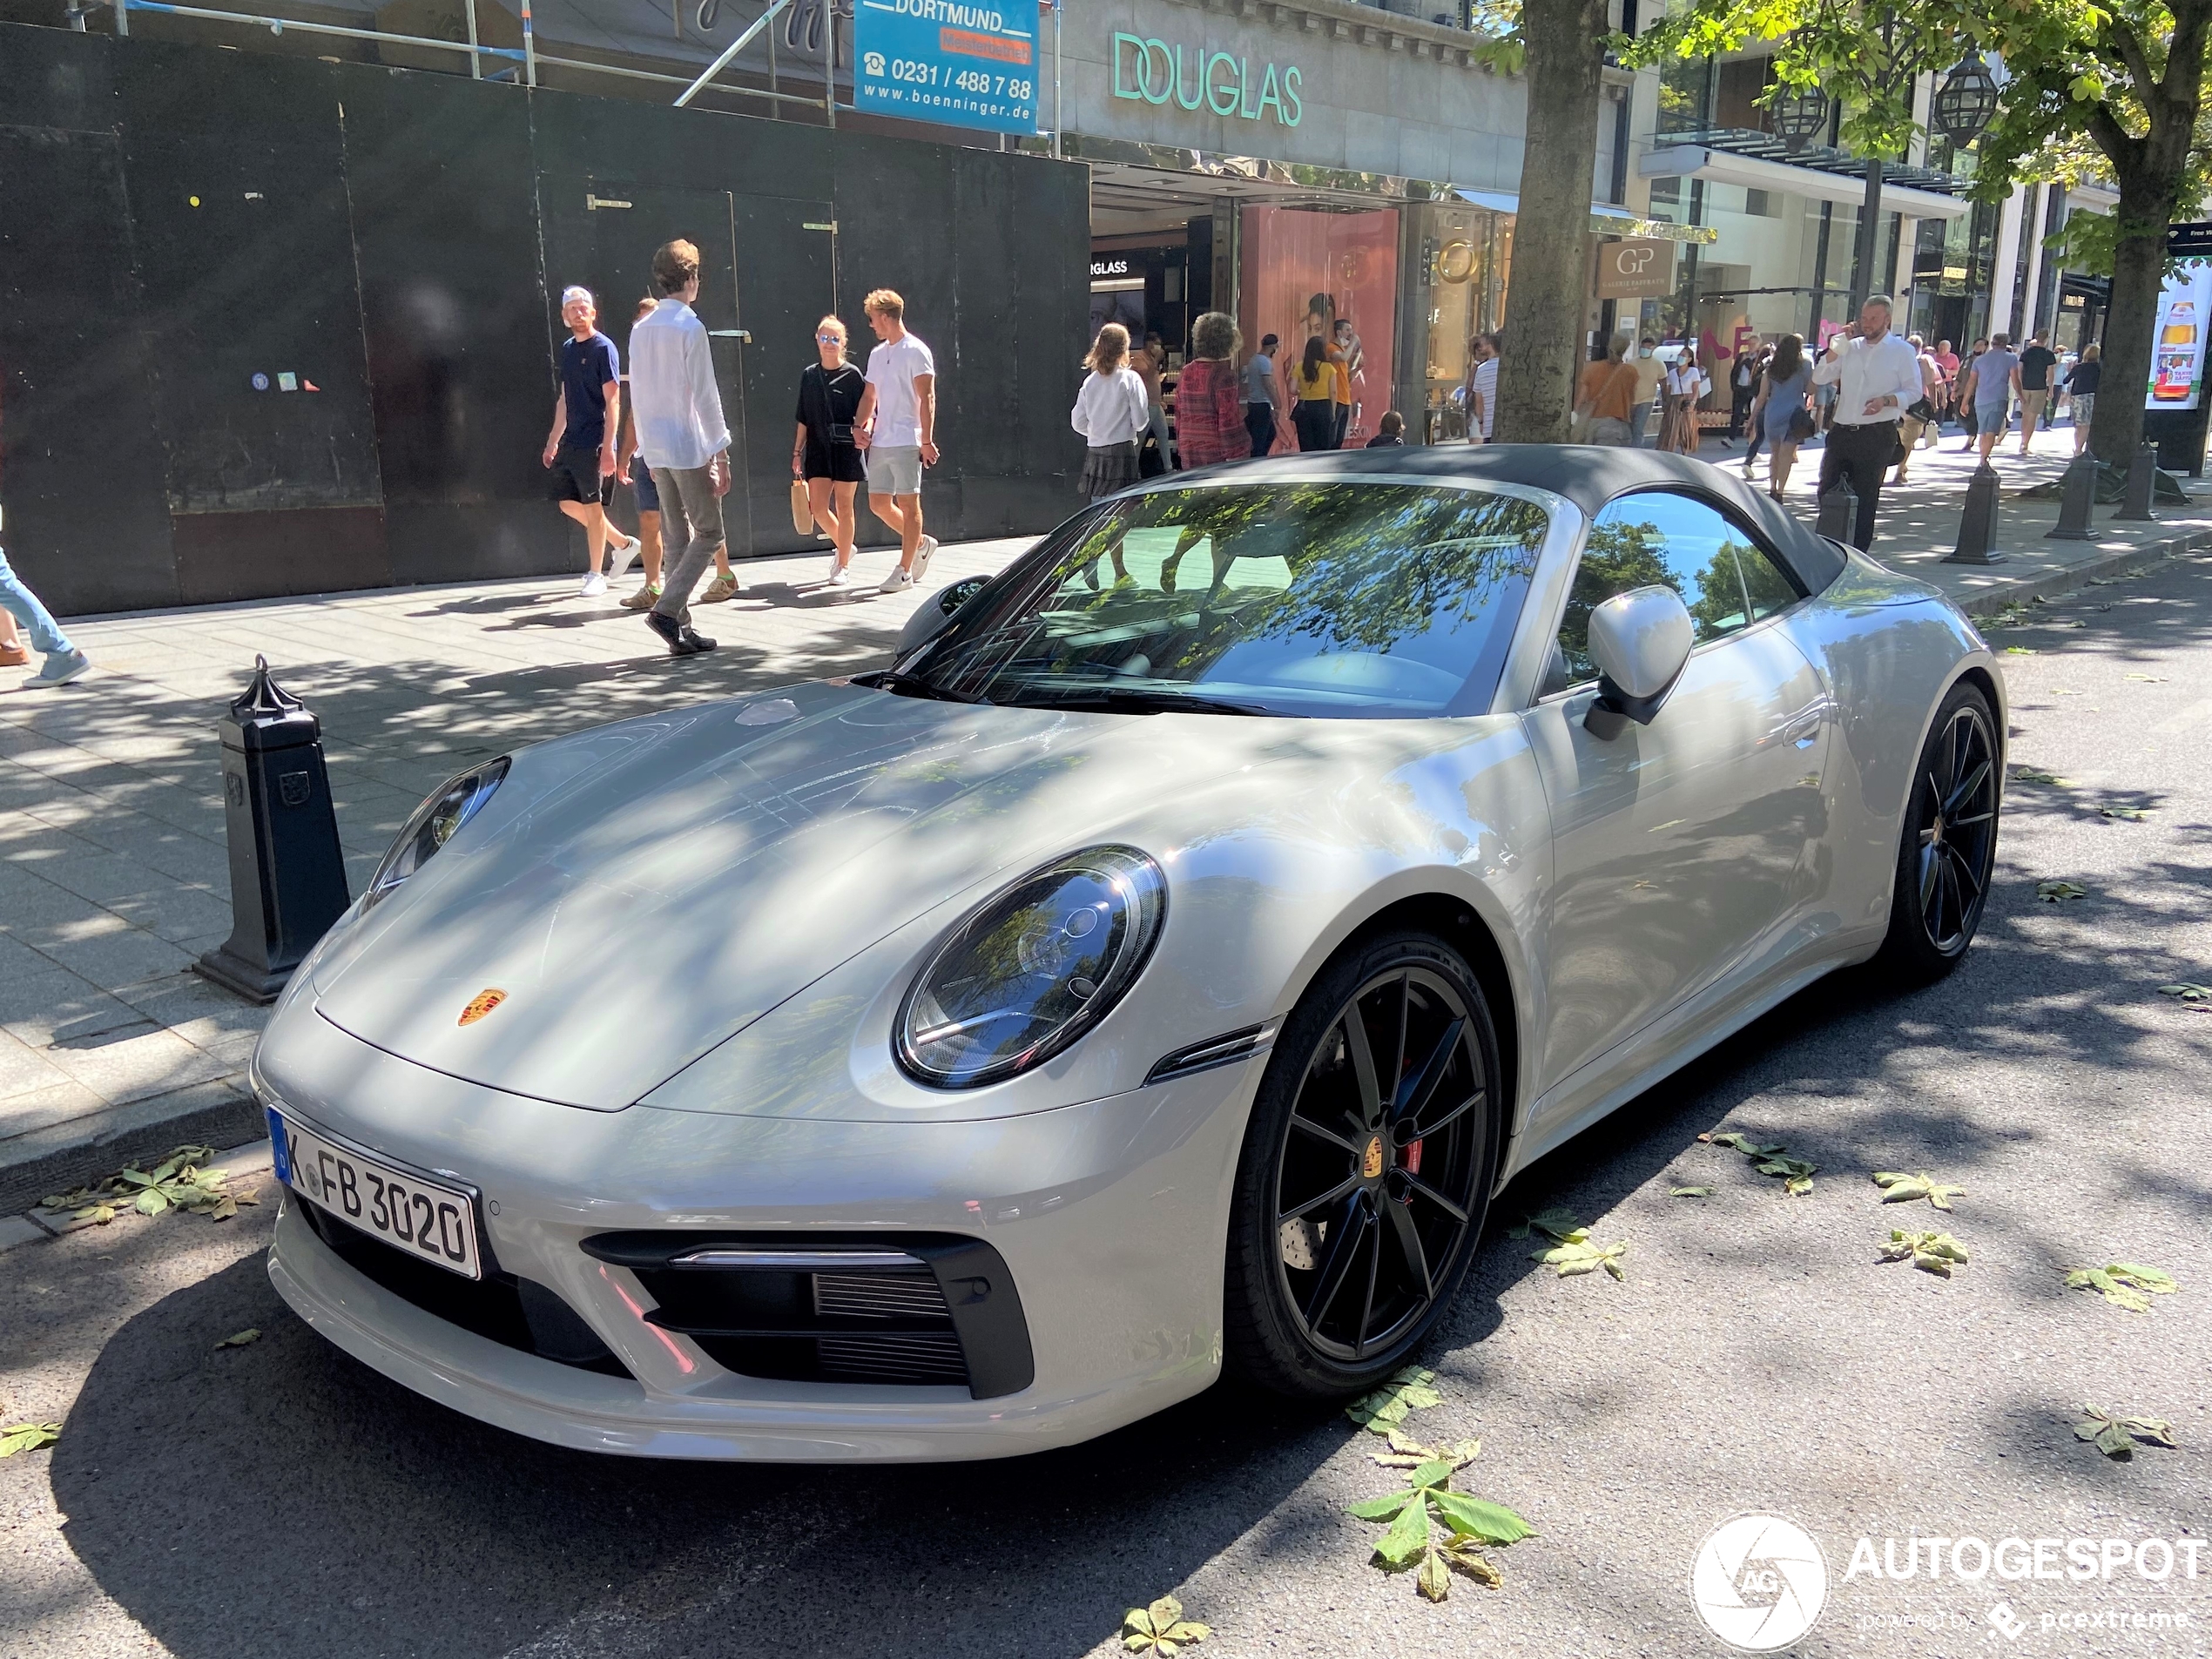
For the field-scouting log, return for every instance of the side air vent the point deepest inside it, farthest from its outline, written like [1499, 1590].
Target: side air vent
[922, 1310]
[1223, 1050]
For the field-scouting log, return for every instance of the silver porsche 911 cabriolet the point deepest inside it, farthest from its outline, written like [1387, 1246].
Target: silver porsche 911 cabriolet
[1157, 969]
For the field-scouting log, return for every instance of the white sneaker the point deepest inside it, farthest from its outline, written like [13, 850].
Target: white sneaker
[839, 576]
[897, 581]
[922, 556]
[594, 585]
[619, 555]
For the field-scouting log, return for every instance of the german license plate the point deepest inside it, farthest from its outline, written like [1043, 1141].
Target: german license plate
[426, 1219]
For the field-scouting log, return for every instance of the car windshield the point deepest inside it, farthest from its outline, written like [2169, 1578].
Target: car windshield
[1343, 598]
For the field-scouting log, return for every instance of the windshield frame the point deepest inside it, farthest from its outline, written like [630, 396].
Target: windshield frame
[1483, 693]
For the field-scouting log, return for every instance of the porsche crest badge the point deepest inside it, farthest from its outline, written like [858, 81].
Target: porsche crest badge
[480, 1004]
[1371, 1165]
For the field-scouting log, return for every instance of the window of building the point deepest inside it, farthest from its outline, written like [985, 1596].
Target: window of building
[1667, 190]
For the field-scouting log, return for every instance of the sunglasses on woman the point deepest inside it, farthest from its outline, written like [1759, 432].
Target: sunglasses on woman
[831, 340]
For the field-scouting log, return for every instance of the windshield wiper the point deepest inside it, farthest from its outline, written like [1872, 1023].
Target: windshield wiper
[903, 684]
[1132, 699]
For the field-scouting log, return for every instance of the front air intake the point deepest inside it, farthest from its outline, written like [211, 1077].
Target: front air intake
[913, 1310]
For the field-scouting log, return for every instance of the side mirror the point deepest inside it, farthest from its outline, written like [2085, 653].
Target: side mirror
[931, 614]
[1640, 641]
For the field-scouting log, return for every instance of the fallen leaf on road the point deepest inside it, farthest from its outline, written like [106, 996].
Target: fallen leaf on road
[1469, 1525]
[2114, 1433]
[2020, 651]
[1407, 1452]
[1160, 1628]
[1408, 1390]
[1745, 1144]
[2029, 775]
[2132, 814]
[2069, 693]
[1689, 1192]
[1930, 1252]
[27, 1436]
[1796, 1174]
[2124, 1283]
[1904, 1188]
[2149, 679]
[1580, 1256]
[2188, 991]
[239, 1339]
[178, 1182]
[1559, 1221]
[2058, 892]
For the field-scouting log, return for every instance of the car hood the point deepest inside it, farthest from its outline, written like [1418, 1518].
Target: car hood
[640, 891]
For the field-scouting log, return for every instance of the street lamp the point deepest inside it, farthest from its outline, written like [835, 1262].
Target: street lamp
[1965, 101]
[1800, 118]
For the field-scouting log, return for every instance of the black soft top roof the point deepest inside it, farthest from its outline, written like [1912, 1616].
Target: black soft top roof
[1588, 475]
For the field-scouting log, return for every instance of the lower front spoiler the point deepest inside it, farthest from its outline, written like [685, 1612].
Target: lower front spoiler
[589, 1412]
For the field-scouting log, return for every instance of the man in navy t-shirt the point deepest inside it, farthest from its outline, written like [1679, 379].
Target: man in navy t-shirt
[580, 449]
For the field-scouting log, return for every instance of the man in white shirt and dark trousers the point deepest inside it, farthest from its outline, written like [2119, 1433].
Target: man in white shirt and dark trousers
[896, 424]
[683, 436]
[1876, 377]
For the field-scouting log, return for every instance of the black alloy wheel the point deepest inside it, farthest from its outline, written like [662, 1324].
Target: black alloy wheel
[1949, 848]
[1374, 1144]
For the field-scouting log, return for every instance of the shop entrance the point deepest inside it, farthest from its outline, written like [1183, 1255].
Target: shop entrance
[1301, 264]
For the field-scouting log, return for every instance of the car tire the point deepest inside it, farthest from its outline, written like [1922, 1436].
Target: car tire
[1947, 844]
[1322, 1116]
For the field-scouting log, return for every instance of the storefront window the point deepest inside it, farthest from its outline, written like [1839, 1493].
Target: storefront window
[1313, 271]
[1457, 292]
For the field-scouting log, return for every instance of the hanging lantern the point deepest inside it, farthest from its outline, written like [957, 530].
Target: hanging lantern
[1965, 101]
[1799, 118]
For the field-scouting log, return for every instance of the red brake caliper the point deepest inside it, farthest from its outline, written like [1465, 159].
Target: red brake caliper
[1411, 1162]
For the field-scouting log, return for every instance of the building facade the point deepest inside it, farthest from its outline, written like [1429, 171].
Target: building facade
[1301, 166]
[1784, 258]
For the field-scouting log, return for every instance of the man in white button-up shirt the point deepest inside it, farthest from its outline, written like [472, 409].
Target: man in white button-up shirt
[683, 436]
[1876, 377]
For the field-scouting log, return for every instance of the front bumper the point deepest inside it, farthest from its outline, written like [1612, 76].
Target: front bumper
[1110, 1217]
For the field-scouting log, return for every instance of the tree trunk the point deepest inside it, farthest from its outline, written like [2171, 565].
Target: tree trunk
[2137, 275]
[1547, 296]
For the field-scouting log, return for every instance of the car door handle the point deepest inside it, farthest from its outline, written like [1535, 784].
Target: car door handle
[745, 335]
[1804, 729]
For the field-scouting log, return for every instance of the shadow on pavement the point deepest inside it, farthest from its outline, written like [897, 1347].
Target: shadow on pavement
[281, 1498]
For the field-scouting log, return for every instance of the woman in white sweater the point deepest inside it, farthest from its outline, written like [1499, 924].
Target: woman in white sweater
[1112, 413]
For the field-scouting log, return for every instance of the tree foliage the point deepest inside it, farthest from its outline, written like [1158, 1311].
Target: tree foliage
[2118, 83]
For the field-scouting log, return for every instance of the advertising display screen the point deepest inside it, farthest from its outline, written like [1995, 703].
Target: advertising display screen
[966, 65]
[2177, 350]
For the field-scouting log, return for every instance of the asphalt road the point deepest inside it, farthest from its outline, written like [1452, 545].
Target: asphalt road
[281, 1499]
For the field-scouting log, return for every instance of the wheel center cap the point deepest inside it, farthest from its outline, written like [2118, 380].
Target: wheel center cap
[1938, 829]
[1370, 1161]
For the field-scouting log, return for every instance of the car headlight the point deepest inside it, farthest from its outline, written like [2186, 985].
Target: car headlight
[436, 821]
[1030, 972]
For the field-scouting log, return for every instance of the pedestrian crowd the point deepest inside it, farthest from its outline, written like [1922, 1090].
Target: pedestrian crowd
[852, 427]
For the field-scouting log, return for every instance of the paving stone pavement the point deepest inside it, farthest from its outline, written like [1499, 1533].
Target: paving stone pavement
[113, 871]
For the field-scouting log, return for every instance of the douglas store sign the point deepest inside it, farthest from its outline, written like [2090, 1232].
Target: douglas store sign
[1200, 78]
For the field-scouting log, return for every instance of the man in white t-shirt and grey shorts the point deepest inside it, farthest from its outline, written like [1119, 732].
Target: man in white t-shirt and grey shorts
[896, 426]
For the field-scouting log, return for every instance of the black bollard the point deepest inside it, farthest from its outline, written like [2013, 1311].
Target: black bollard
[287, 873]
[1977, 524]
[2079, 485]
[1838, 513]
[2142, 478]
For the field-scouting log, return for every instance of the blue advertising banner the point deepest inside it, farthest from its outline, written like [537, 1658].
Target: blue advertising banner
[967, 66]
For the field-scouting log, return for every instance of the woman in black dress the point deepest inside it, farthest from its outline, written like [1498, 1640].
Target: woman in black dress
[823, 452]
